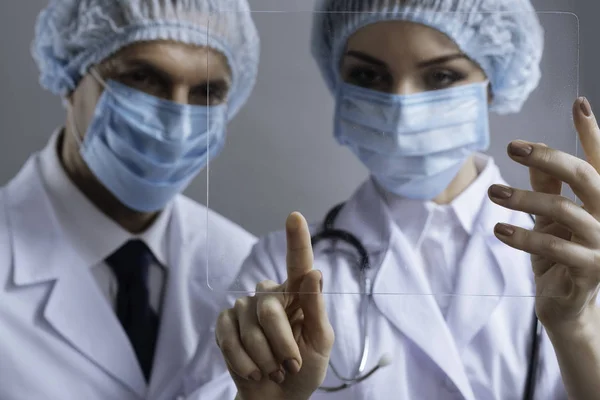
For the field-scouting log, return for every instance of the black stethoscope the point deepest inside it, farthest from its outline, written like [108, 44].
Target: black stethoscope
[328, 231]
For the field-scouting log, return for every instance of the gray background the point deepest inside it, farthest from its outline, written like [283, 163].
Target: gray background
[281, 155]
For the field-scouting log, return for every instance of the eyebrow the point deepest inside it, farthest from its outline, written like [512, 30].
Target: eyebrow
[147, 66]
[151, 68]
[442, 60]
[366, 58]
[424, 64]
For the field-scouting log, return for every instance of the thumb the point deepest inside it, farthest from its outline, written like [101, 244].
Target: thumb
[316, 329]
[299, 251]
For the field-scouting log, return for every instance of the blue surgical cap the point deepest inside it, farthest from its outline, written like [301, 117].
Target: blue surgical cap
[73, 35]
[503, 36]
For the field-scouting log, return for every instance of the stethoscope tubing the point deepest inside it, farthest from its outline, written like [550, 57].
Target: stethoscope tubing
[329, 232]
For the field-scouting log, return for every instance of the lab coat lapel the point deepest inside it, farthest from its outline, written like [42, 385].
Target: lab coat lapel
[177, 339]
[481, 283]
[75, 308]
[414, 313]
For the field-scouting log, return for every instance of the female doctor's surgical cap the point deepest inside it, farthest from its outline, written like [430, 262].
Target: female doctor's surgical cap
[72, 35]
[503, 36]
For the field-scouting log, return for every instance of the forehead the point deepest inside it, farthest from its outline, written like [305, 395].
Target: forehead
[172, 58]
[401, 38]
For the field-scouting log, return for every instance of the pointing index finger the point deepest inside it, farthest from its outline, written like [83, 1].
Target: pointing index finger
[299, 251]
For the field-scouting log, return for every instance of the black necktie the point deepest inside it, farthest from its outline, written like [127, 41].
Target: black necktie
[130, 264]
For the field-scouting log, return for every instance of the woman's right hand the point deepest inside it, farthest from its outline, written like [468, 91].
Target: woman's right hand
[277, 343]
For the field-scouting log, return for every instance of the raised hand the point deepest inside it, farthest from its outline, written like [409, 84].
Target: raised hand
[277, 343]
[565, 242]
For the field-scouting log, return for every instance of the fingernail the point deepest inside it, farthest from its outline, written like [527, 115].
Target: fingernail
[277, 376]
[584, 104]
[520, 149]
[500, 192]
[504, 230]
[292, 366]
[256, 376]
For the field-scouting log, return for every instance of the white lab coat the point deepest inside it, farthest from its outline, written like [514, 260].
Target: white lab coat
[59, 337]
[481, 352]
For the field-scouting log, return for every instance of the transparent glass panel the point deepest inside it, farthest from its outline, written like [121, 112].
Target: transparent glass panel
[282, 155]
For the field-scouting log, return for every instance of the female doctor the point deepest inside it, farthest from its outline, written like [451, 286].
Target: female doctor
[434, 218]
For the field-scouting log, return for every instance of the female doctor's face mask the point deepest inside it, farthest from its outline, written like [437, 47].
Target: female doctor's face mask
[145, 150]
[413, 145]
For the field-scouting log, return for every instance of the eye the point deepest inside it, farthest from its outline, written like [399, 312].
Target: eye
[368, 78]
[141, 78]
[440, 79]
[210, 94]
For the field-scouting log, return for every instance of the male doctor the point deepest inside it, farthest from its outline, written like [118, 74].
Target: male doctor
[102, 273]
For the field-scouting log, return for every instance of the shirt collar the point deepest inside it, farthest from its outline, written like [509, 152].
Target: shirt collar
[95, 235]
[466, 205]
[412, 215]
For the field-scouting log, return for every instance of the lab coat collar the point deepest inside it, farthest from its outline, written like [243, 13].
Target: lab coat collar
[91, 232]
[412, 215]
[36, 256]
[75, 308]
[475, 195]
[485, 270]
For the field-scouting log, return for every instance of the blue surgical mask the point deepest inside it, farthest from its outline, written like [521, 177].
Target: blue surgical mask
[413, 145]
[146, 150]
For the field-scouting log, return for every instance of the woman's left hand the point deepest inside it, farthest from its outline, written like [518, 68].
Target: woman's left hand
[565, 241]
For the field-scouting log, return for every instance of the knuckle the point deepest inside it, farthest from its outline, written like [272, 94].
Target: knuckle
[264, 286]
[584, 172]
[252, 338]
[227, 347]
[561, 206]
[268, 311]
[544, 155]
[551, 245]
[223, 318]
[240, 304]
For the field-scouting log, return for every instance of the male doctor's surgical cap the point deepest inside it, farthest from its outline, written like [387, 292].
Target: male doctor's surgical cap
[503, 36]
[73, 35]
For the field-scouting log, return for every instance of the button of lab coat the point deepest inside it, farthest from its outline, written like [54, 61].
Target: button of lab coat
[180, 397]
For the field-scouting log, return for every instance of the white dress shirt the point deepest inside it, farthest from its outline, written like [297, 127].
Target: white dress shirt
[95, 235]
[440, 233]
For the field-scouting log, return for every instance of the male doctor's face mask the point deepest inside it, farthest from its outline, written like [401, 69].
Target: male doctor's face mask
[146, 150]
[413, 145]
